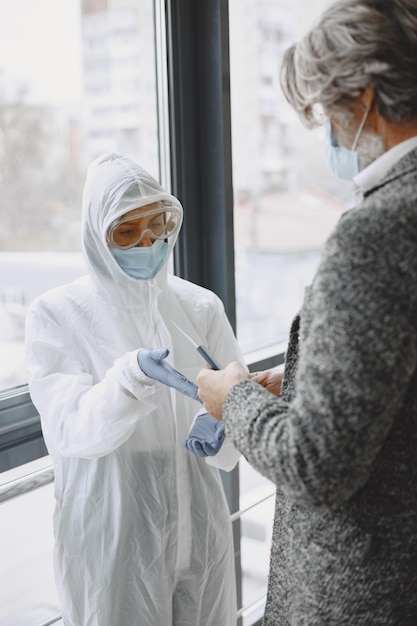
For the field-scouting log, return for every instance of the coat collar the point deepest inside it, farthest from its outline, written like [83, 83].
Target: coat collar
[400, 167]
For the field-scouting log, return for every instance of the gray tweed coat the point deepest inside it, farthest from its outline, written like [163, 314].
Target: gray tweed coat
[341, 443]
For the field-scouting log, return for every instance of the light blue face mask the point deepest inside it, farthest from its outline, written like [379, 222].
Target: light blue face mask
[342, 161]
[142, 262]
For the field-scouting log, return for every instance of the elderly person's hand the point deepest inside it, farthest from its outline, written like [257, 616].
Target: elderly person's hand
[213, 386]
[270, 379]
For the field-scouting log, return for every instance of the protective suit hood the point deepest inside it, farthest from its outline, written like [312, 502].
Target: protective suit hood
[115, 185]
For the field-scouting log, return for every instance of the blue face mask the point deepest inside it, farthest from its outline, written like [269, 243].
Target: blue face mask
[143, 262]
[342, 161]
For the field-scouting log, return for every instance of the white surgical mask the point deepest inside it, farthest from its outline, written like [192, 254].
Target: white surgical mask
[142, 262]
[343, 162]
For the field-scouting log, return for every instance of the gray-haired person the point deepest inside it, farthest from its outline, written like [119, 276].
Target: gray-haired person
[340, 441]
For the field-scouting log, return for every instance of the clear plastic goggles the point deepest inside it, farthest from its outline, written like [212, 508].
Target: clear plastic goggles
[156, 223]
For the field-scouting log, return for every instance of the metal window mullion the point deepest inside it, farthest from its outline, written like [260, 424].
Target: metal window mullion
[200, 133]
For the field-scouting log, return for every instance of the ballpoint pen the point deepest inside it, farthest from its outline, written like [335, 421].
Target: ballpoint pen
[200, 349]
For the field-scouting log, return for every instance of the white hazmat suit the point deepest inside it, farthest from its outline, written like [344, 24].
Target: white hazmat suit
[142, 529]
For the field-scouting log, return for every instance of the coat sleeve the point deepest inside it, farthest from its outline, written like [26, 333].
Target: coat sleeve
[357, 355]
[81, 417]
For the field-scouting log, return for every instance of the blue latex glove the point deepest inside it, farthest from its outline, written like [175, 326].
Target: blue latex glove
[206, 436]
[152, 363]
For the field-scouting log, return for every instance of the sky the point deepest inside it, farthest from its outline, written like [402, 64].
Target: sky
[40, 46]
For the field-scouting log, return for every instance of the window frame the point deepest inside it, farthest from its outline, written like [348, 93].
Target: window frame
[195, 130]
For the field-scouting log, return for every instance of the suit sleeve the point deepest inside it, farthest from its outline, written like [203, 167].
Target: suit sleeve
[79, 417]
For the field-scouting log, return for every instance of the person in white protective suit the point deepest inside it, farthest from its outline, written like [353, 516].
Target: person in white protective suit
[142, 529]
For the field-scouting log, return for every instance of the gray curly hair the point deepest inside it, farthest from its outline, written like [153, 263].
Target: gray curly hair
[355, 43]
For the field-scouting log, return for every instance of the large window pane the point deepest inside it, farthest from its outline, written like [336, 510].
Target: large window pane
[286, 204]
[77, 77]
[286, 200]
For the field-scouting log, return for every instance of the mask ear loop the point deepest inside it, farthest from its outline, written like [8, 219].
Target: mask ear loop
[360, 129]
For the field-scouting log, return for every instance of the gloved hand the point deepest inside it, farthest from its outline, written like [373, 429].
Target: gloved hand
[152, 363]
[206, 435]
